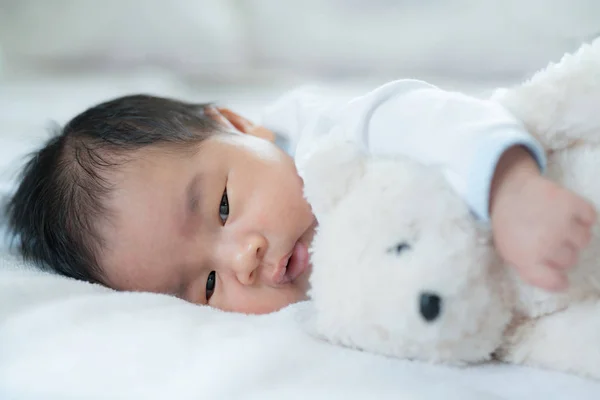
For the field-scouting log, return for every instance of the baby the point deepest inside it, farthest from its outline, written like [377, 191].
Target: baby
[145, 193]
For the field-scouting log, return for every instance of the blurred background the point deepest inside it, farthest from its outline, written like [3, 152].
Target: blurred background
[256, 40]
[60, 56]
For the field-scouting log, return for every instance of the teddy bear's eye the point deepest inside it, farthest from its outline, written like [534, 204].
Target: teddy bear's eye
[399, 248]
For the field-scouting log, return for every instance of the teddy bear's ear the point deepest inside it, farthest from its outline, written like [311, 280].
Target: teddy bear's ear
[559, 104]
[329, 173]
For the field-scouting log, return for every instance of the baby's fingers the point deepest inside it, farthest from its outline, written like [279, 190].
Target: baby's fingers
[586, 213]
[565, 256]
[580, 235]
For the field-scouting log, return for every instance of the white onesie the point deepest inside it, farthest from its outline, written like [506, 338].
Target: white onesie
[464, 136]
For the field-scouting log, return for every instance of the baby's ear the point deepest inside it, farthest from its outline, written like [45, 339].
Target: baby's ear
[246, 126]
[329, 173]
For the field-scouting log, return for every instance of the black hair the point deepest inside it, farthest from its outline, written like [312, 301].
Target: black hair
[53, 214]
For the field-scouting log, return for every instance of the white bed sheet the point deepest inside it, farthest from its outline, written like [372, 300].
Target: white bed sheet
[61, 339]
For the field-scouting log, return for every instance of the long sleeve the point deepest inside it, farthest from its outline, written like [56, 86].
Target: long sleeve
[462, 135]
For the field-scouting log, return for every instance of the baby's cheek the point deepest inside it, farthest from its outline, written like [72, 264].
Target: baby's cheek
[264, 215]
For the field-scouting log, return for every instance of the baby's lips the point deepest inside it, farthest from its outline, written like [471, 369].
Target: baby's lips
[279, 274]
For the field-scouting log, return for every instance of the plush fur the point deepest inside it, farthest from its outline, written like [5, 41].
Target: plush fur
[402, 268]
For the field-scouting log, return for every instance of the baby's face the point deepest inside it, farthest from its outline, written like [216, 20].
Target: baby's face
[226, 226]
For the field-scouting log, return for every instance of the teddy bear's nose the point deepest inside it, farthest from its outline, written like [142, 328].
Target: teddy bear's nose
[430, 305]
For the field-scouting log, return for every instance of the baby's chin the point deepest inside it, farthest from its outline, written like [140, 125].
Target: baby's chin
[295, 292]
[277, 299]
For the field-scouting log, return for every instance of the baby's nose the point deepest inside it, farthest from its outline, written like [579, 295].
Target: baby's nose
[248, 258]
[430, 306]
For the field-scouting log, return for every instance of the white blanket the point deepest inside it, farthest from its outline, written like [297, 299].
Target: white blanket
[61, 339]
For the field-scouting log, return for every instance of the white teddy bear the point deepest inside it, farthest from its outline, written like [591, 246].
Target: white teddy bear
[401, 268]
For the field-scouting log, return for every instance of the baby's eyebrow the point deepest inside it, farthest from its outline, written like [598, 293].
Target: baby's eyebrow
[192, 189]
[191, 201]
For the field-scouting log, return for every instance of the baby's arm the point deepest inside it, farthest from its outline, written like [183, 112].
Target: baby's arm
[495, 165]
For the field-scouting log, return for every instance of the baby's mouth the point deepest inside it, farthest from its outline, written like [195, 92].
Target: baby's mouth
[293, 265]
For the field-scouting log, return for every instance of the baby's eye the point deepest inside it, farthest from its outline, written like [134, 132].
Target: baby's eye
[224, 207]
[210, 285]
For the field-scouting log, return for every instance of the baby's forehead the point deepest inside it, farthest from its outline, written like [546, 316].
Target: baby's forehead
[139, 228]
[135, 161]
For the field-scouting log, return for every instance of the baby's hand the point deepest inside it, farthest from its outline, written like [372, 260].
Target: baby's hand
[539, 227]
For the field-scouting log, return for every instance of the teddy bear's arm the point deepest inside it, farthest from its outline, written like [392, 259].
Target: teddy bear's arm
[567, 341]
